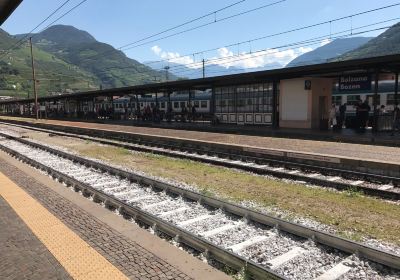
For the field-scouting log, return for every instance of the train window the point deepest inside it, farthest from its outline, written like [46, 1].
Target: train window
[176, 104]
[203, 104]
[183, 104]
[371, 100]
[337, 100]
[353, 99]
[196, 103]
[162, 105]
[390, 99]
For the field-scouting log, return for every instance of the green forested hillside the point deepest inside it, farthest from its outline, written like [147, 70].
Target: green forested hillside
[331, 50]
[53, 74]
[67, 60]
[385, 44]
[112, 67]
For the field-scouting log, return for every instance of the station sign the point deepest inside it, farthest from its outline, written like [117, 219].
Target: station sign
[355, 82]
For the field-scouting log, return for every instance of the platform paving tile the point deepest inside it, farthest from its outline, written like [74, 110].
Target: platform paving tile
[128, 256]
[22, 255]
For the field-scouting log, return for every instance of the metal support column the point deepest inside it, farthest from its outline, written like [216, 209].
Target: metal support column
[275, 116]
[396, 88]
[376, 89]
[212, 105]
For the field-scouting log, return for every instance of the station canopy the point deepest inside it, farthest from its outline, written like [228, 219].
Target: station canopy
[381, 64]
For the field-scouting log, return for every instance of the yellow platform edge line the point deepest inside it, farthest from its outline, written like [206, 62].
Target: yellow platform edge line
[77, 257]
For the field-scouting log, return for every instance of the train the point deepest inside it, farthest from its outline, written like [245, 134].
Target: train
[132, 105]
[202, 101]
[256, 103]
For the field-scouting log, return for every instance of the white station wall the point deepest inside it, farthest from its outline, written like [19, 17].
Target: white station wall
[294, 100]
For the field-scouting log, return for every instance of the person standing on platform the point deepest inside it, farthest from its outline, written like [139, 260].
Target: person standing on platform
[332, 116]
[194, 113]
[183, 113]
[169, 112]
[189, 112]
[342, 115]
[358, 115]
[364, 114]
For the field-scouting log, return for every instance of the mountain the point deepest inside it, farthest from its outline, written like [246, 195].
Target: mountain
[110, 66]
[210, 70]
[385, 44]
[52, 73]
[331, 50]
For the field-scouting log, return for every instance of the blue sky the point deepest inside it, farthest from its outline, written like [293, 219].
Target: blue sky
[120, 22]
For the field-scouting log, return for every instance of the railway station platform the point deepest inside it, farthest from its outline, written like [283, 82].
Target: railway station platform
[359, 147]
[50, 232]
[352, 136]
[366, 158]
[344, 135]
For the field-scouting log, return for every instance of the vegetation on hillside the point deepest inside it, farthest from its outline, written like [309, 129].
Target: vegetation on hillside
[385, 44]
[52, 73]
[112, 67]
[66, 60]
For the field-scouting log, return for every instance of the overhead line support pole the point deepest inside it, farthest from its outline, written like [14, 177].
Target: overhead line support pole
[204, 69]
[34, 80]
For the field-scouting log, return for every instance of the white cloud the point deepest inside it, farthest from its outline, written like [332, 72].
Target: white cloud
[259, 58]
[227, 58]
[176, 57]
[325, 41]
[156, 50]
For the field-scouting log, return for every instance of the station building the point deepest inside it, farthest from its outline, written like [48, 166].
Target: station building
[296, 97]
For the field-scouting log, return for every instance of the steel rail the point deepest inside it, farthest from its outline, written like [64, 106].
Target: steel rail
[380, 256]
[371, 191]
[196, 242]
[224, 151]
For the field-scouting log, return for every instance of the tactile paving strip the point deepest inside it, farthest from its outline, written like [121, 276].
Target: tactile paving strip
[75, 255]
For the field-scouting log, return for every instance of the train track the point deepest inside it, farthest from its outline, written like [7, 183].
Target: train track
[370, 184]
[267, 247]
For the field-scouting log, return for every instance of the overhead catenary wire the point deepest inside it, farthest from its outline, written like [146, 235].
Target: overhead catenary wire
[127, 46]
[274, 50]
[194, 64]
[285, 32]
[263, 37]
[309, 42]
[183, 24]
[268, 36]
[63, 15]
[276, 34]
[206, 24]
[60, 17]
